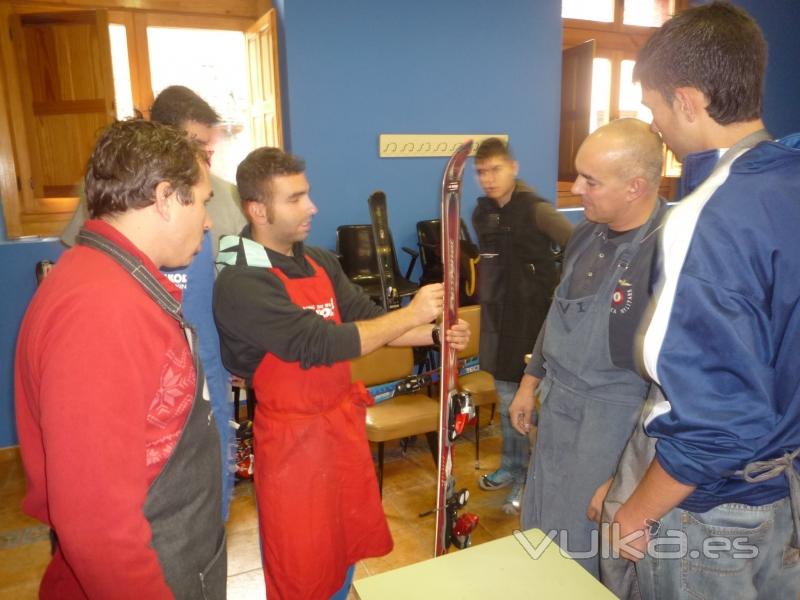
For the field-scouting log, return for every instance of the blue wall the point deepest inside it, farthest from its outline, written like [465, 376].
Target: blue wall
[780, 22]
[353, 70]
[17, 263]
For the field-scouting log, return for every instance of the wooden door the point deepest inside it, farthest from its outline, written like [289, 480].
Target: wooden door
[66, 88]
[576, 103]
[11, 172]
[261, 40]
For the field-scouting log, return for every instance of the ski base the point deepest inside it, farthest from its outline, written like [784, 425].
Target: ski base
[455, 407]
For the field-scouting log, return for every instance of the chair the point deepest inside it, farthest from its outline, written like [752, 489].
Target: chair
[480, 384]
[401, 416]
[356, 249]
[237, 385]
[430, 250]
[429, 235]
[42, 269]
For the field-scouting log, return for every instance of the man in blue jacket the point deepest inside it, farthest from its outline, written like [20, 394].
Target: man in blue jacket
[720, 500]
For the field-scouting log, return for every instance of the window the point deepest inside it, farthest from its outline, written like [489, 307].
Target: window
[601, 93]
[111, 63]
[213, 63]
[630, 94]
[618, 28]
[123, 95]
[647, 13]
[643, 13]
[590, 10]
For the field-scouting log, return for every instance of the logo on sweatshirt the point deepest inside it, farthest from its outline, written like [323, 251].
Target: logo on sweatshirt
[179, 279]
[326, 310]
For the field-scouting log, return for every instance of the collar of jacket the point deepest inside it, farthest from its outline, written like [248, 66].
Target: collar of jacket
[235, 250]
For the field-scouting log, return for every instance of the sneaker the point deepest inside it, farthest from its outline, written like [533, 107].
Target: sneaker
[495, 481]
[514, 500]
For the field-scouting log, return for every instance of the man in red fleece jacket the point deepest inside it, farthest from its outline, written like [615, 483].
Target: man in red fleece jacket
[117, 438]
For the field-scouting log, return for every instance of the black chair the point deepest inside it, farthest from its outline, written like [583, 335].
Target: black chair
[42, 268]
[429, 235]
[356, 249]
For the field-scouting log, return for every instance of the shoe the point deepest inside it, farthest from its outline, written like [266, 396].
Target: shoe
[514, 500]
[495, 481]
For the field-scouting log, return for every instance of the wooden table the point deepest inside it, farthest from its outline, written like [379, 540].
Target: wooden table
[502, 568]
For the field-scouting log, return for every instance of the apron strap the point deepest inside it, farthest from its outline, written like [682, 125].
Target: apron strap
[764, 470]
[151, 285]
[137, 270]
[645, 231]
[747, 142]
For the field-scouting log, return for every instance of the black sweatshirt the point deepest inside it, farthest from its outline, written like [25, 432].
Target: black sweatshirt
[254, 314]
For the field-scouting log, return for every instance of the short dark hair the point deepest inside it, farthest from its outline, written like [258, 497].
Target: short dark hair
[177, 104]
[491, 147]
[716, 48]
[131, 158]
[254, 174]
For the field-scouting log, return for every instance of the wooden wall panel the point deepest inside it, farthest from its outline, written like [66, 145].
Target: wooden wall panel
[65, 143]
[51, 109]
[55, 80]
[261, 40]
[576, 97]
[9, 193]
[66, 96]
[231, 8]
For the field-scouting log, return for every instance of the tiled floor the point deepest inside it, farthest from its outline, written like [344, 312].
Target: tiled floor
[409, 489]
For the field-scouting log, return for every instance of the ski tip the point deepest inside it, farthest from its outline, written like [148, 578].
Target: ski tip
[455, 166]
[377, 195]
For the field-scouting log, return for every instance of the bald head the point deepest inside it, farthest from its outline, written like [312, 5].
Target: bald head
[630, 148]
[619, 171]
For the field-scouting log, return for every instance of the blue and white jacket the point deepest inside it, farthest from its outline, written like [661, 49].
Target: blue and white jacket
[724, 341]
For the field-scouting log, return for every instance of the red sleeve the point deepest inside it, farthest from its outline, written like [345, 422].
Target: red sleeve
[97, 370]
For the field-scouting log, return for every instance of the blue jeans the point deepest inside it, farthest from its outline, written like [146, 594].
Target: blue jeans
[345, 589]
[731, 551]
[516, 447]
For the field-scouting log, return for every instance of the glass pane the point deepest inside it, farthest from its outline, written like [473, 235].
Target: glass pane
[630, 95]
[672, 166]
[588, 10]
[630, 105]
[601, 93]
[121, 69]
[213, 64]
[647, 13]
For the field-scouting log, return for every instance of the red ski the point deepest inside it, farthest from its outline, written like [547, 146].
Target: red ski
[455, 407]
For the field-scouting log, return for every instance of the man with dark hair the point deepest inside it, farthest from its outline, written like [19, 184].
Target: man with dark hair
[724, 338]
[583, 360]
[289, 321]
[517, 272]
[120, 453]
[177, 104]
[180, 107]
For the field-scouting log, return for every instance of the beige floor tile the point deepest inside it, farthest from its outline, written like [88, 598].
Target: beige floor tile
[247, 586]
[244, 553]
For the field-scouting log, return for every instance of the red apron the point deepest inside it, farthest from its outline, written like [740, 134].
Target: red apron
[319, 509]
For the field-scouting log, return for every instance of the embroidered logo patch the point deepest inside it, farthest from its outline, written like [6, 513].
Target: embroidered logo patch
[622, 298]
